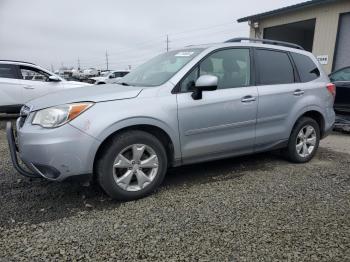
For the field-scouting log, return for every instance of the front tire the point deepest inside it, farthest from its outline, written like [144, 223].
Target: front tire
[133, 166]
[304, 140]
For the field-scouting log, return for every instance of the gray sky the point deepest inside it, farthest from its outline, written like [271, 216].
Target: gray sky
[59, 31]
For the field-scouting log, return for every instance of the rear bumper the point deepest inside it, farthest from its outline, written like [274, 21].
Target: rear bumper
[54, 154]
[329, 122]
[327, 132]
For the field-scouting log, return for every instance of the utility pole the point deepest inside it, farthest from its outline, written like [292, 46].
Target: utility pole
[167, 43]
[52, 70]
[78, 63]
[107, 59]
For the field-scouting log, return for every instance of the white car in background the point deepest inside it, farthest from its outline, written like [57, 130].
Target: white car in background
[23, 81]
[110, 78]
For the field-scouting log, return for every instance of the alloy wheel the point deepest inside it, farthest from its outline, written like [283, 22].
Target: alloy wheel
[135, 167]
[306, 141]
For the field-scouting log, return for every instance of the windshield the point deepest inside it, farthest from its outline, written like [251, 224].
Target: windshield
[160, 69]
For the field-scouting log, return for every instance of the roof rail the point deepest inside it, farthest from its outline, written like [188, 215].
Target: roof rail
[264, 41]
[4, 60]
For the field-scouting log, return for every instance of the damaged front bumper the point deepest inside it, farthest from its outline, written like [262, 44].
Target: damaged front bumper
[13, 153]
[54, 154]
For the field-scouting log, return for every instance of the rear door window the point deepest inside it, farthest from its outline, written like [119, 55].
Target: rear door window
[307, 69]
[273, 67]
[8, 71]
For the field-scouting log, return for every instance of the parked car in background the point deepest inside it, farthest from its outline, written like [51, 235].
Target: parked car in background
[185, 106]
[109, 78]
[87, 73]
[341, 79]
[23, 81]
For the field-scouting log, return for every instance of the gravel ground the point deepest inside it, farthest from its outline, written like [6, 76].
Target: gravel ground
[257, 208]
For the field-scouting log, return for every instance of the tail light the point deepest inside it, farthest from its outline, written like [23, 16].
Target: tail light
[331, 89]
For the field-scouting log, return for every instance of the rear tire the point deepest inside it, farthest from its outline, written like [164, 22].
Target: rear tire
[132, 166]
[303, 141]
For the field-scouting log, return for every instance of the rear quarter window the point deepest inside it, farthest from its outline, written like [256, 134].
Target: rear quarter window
[307, 69]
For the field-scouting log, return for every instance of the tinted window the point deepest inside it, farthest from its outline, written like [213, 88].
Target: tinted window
[7, 71]
[341, 75]
[124, 74]
[273, 67]
[231, 66]
[119, 74]
[307, 69]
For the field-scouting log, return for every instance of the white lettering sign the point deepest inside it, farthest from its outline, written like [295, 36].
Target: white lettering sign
[323, 59]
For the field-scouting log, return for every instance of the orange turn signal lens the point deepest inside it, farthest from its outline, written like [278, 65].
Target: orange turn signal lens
[77, 109]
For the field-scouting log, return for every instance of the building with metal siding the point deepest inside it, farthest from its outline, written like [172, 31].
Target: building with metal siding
[320, 26]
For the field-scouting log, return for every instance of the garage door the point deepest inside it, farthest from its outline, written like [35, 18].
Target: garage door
[342, 57]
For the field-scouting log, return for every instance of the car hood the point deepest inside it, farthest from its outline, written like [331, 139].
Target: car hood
[74, 84]
[85, 94]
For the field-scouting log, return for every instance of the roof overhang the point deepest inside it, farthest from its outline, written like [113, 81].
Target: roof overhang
[284, 10]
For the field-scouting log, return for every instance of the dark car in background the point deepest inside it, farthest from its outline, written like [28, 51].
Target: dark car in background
[341, 79]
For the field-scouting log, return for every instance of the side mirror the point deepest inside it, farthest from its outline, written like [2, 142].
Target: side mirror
[111, 76]
[54, 79]
[204, 83]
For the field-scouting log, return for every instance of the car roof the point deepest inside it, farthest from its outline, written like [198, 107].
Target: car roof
[214, 46]
[15, 62]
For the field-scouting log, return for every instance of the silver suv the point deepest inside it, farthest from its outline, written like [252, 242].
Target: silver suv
[186, 106]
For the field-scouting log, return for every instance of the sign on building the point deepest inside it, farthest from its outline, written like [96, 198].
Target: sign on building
[323, 59]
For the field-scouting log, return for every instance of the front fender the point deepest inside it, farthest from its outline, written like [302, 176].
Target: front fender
[134, 121]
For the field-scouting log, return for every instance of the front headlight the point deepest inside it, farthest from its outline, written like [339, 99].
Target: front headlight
[59, 115]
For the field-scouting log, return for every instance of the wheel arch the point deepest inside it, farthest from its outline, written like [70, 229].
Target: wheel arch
[316, 114]
[158, 132]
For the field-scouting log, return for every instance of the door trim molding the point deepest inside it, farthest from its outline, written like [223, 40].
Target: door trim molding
[219, 127]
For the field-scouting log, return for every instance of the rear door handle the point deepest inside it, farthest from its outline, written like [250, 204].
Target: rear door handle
[298, 92]
[248, 99]
[29, 87]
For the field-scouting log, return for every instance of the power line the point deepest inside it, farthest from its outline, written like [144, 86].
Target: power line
[203, 28]
[153, 44]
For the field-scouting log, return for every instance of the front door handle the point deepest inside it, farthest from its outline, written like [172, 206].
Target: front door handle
[29, 87]
[298, 92]
[248, 99]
